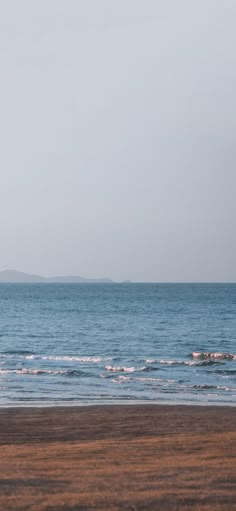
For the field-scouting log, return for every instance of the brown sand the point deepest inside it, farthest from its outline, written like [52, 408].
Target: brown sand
[118, 458]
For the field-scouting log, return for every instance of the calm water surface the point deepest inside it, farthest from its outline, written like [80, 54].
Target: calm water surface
[86, 343]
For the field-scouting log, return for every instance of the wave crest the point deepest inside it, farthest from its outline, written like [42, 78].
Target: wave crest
[65, 358]
[199, 362]
[123, 369]
[38, 372]
[206, 355]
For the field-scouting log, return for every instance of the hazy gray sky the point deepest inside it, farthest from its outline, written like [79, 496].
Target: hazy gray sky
[117, 126]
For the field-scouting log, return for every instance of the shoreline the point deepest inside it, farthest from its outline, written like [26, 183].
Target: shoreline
[116, 457]
[84, 404]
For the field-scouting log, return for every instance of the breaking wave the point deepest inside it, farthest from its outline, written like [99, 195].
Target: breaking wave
[144, 379]
[92, 359]
[124, 369]
[188, 362]
[38, 372]
[212, 387]
[26, 355]
[11, 353]
[205, 355]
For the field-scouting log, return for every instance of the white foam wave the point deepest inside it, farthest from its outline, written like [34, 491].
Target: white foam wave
[178, 362]
[30, 371]
[65, 358]
[122, 378]
[202, 387]
[124, 369]
[205, 355]
[127, 378]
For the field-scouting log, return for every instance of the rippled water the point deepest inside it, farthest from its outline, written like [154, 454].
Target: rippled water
[82, 343]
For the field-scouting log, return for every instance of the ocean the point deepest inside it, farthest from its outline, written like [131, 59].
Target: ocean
[117, 343]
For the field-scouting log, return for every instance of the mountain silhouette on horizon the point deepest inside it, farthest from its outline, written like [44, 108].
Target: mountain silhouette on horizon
[15, 277]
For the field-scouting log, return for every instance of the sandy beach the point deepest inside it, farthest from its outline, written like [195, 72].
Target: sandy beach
[129, 457]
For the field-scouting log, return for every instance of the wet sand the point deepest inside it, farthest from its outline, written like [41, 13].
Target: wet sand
[151, 457]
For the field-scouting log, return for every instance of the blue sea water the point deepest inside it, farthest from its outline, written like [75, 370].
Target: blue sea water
[95, 343]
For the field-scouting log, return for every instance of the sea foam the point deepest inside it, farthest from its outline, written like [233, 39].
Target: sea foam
[205, 355]
[66, 358]
[38, 372]
[124, 369]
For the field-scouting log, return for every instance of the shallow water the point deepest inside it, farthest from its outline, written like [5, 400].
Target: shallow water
[84, 343]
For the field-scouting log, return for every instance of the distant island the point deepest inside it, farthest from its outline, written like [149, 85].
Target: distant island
[15, 277]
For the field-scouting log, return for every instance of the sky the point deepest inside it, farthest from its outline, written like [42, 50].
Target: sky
[117, 129]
